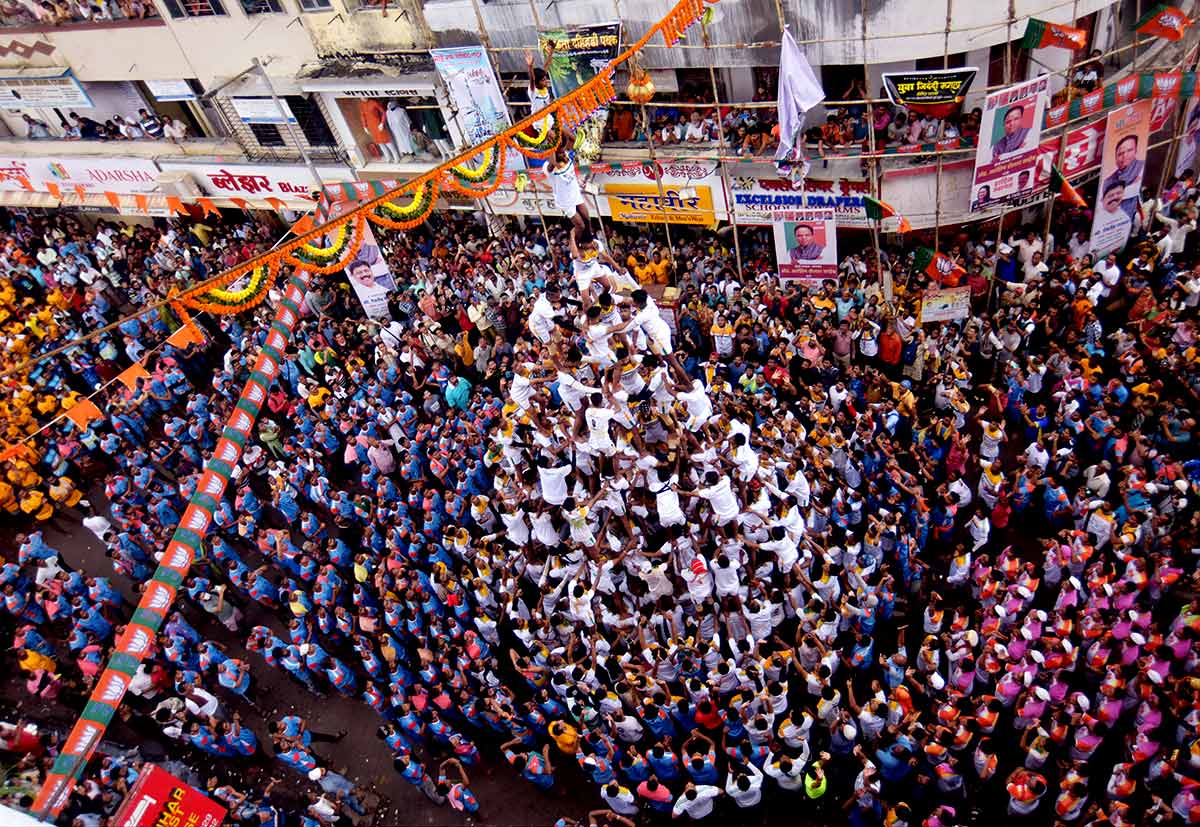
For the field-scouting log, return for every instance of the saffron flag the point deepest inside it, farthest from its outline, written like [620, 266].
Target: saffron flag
[1163, 21]
[938, 266]
[54, 190]
[185, 335]
[799, 91]
[1040, 35]
[1060, 186]
[83, 412]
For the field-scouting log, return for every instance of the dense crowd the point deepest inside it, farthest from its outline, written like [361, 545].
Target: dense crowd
[770, 541]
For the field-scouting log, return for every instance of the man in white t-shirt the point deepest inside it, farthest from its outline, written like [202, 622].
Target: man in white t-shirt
[718, 490]
[554, 481]
[696, 801]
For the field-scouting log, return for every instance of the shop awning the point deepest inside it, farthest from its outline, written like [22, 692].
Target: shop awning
[358, 80]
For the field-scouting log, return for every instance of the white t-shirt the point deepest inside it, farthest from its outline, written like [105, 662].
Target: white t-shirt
[554, 483]
[699, 808]
[720, 496]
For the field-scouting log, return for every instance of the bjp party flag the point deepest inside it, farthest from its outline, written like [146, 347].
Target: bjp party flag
[1040, 35]
[1163, 21]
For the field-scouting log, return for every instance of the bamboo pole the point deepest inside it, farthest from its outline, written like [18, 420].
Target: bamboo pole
[1062, 142]
[937, 198]
[730, 209]
[874, 179]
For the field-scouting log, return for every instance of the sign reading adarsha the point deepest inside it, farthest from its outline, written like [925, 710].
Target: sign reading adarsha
[159, 799]
[936, 92]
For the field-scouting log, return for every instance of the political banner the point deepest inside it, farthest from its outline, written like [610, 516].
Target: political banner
[1125, 138]
[1189, 140]
[806, 245]
[370, 276]
[936, 92]
[759, 200]
[481, 111]
[1006, 157]
[576, 54]
[159, 798]
[368, 272]
[945, 304]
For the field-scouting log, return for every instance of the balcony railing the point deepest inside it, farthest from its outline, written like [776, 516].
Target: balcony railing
[81, 15]
[189, 148]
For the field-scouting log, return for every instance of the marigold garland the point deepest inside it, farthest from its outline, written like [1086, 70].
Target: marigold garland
[228, 302]
[479, 192]
[543, 149]
[356, 239]
[326, 254]
[544, 128]
[480, 173]
[394, 216]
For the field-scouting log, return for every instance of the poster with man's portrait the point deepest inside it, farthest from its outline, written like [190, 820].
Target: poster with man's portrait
[368, 272]
[1189, 141]
[806, 245]
[1126, 134]
[1009, 135]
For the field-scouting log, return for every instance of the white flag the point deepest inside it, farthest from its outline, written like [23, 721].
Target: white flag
[799, 91]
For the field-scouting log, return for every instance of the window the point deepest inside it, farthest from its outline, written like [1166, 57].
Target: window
[955, 61]
[267, 134]
[996, 60]
[315, 5]
[194, 8]
[261, 6]
[310, 120]
[842, 83]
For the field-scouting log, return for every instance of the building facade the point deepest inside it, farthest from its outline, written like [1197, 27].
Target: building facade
[273, 99]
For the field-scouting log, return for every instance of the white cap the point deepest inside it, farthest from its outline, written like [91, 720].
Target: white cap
[314, 774]
[1041, 694]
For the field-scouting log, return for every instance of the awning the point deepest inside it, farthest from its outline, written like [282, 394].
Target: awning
[363, 79]
[24, 200]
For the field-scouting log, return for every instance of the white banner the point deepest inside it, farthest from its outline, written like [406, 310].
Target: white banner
[263, 110]
[286, 181]
[61, 90]
[126, 176]
[759, 200]
[170, 90]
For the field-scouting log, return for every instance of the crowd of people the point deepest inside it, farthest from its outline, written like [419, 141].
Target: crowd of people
[144, 126]
[769, 545]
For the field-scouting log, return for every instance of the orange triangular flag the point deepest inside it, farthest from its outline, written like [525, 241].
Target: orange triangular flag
[113, 199]
[130, 375]
[21, 449]
[80, 191]
[304, 225]
[206, 205]
[186, 335]
[241, 203]
[904, 225]
[54, 189]
[175, 205]
[276, 203]
[143, 203]
[25, 185]
[83, 412]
